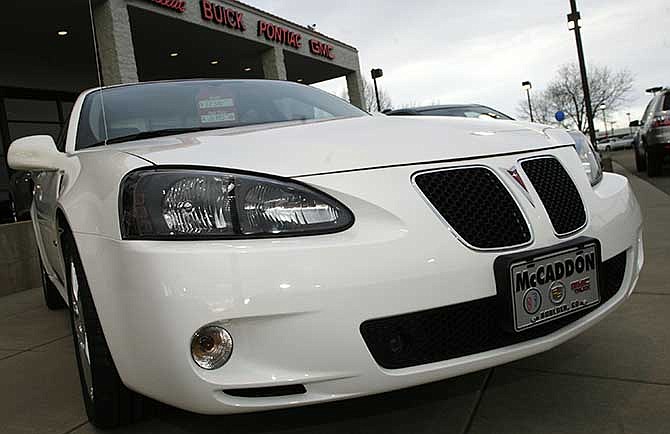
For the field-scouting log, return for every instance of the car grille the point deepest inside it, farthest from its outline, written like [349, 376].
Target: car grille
[557, 193]
[476, 205]
[462, 329]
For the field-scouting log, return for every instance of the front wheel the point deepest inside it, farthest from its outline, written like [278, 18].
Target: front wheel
[109, 403]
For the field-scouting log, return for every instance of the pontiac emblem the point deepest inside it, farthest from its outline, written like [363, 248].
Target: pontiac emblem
[515, 175]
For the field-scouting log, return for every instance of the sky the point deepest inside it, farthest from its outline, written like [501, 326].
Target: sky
[481, 51]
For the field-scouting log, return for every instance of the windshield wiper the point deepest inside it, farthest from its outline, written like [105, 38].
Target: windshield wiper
[154, 133]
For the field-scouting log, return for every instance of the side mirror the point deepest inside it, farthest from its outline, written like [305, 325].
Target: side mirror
[35, 153]
[634, 124]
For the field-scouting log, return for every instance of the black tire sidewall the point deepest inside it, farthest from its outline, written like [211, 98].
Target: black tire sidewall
[69, 257]
[113, 404]
[52, 297]
[640, 163]
[654, 163]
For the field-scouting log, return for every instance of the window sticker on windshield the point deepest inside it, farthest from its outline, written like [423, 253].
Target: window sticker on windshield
[214, 106]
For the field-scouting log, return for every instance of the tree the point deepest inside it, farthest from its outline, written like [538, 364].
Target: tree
[543, 112]
[564, 93]
[369, 100]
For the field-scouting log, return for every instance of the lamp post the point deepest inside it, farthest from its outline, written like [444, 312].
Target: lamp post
[528, 86]
[630, 129]
[376, 73]
[573, 25]
[603, 107]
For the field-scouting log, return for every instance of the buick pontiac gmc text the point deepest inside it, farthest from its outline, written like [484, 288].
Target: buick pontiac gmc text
[236, 246]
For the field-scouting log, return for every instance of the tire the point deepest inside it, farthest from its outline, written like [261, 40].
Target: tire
[109, 403]
[608, 148]
[52, 297]
[640, 163]
[654, 164]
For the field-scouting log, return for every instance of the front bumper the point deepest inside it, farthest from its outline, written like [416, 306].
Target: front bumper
[294, 306]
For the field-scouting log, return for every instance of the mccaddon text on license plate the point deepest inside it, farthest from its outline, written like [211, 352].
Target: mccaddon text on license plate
[555, 285]
[556, 271]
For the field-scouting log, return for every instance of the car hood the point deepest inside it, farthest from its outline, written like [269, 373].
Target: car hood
[306, 148]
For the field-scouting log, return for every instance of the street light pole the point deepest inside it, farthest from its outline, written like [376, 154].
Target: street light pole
[630, 129]
[603, 107]
[526, 85]
[573, 17]
[376, 73]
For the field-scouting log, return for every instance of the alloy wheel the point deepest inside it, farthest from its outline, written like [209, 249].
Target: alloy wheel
[80, 332]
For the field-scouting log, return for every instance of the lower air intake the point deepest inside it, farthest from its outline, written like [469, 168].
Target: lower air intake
[267, 392]
[462, 329]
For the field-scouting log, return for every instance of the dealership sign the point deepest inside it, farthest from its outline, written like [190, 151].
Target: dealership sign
[275, 33]
[221, 15]
[228, 17]
[322, 49]
[175, 5]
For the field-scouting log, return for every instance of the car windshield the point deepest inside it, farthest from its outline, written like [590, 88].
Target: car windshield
[124, 113]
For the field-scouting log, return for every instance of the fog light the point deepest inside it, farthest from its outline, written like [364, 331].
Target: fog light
[211, 347]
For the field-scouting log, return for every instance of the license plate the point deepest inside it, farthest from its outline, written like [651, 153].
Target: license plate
[553, 285]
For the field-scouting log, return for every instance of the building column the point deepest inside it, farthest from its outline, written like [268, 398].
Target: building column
[355, 89]
[274, 67]
[115, 43]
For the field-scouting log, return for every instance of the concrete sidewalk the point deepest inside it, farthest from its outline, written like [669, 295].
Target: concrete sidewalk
[613, 378]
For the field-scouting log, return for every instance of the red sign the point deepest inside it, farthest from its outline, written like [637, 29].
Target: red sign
[222, 15]
[176, 5]
[275, 33]
[321, 49]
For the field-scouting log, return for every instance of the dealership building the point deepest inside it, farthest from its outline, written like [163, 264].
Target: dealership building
[48, 57]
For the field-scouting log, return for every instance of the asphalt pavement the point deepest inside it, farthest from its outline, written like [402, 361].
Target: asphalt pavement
[614, 378]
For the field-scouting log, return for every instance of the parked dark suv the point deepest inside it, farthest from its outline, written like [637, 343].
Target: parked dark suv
[652, 143]
[456, 110]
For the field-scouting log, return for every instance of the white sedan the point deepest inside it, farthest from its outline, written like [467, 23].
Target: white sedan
[236, 246]
[615, 144]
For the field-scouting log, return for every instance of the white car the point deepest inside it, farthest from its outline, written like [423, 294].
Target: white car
[615, 144]
[236, 246]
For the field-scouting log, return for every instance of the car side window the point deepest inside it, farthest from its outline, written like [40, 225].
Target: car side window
[666, 102]
[647, 111]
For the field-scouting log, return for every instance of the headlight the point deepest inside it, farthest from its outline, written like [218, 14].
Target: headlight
[196, 204]
[590, 159]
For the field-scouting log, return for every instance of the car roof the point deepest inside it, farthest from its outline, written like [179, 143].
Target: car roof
[443, 106]
[416, 110]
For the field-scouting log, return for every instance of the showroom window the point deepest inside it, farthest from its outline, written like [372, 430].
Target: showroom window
[25, 112]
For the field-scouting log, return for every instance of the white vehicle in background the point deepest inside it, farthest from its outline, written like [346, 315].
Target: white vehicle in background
[615, 144]
[237, 246]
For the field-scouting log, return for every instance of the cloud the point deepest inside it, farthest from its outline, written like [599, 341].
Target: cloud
[481, 52]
